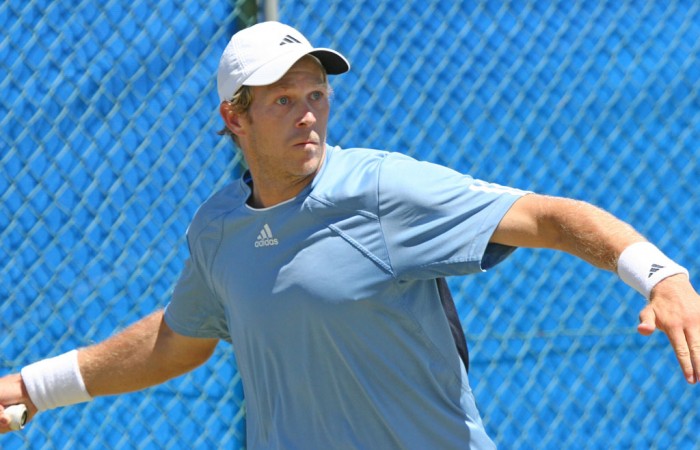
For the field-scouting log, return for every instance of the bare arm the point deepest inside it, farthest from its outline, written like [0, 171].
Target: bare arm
[572, 226]
[145, 354]
[599, 238]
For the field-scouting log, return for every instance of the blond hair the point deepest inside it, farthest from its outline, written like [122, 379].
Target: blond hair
[241, 102]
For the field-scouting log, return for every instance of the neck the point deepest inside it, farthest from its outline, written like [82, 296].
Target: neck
[274, 183]
[268, 194]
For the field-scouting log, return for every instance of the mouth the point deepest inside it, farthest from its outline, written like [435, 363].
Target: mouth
[305, 143]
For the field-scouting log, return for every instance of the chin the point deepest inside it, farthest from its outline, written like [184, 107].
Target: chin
[311, 166]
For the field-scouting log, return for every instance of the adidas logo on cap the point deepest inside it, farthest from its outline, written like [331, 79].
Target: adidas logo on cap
[265, 238]
[288, 39]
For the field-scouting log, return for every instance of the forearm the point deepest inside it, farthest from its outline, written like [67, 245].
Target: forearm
[134, 359]
[591, 233]
[145, 354]
[575, 227]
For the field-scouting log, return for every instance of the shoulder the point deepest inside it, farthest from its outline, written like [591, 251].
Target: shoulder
[350, 160]
[348, 174]
[208, 217]
[359, 168]
[362, 175]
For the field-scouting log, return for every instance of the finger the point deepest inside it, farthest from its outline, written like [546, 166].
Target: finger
[694, 349]
[647, 321]
[680, 346]
[4, 421]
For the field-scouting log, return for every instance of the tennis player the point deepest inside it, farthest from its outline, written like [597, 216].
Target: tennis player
[319, 266]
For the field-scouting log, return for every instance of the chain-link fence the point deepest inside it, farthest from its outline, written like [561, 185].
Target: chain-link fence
[109, 116]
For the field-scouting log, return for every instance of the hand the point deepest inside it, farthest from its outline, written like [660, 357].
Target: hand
[13, 392]
[674, 308]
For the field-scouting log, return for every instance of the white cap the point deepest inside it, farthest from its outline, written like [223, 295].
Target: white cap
[263, 53]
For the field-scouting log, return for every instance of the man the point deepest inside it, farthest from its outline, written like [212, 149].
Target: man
[319, 266]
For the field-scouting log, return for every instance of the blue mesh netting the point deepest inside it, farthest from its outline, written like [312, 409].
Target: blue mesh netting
[108, 145]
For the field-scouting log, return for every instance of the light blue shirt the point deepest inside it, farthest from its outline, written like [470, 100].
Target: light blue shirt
[330, 302]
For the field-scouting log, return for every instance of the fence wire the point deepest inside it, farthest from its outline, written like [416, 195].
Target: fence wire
[109, 116]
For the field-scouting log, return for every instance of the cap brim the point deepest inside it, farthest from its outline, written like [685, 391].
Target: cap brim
[334, 62]
[271, 72]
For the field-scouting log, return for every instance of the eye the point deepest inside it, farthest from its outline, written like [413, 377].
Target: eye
[316, 95]
[282, 101]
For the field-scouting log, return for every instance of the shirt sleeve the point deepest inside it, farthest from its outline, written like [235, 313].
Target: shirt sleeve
[194, 309]
[438, 222]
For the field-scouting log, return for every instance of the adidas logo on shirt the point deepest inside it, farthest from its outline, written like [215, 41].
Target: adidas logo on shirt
[265, 238]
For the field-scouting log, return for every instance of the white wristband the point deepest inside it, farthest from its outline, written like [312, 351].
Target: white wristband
[643, 266]
[55, 382]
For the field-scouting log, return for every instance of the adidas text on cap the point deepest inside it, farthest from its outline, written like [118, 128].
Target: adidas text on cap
[263, 53]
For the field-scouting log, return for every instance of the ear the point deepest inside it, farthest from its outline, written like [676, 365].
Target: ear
[233, 119]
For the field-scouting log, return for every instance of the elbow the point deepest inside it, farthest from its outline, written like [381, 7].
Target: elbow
[181, 354]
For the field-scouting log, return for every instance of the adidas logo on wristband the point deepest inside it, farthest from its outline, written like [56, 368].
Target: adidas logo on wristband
[642, 266]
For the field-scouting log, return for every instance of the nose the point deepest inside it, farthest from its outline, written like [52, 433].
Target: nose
[307, 118]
